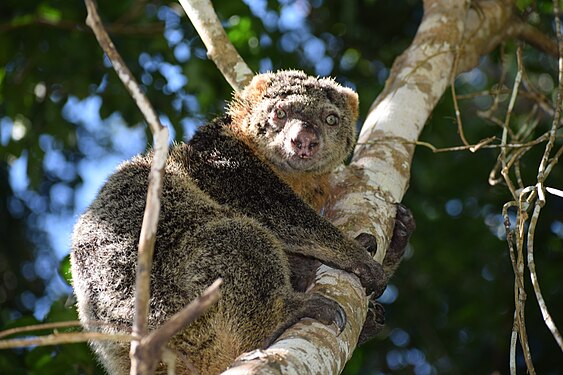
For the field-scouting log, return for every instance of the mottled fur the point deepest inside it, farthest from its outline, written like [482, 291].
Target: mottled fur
[231, 208]
[303, 97]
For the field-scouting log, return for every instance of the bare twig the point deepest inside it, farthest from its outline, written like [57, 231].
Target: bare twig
[94, 22]
[534, 277]
[520, 293]
[499, 91]
[149, 351]
[147, 30]
[534, 37]
[556, 192]
[495, 91]
[540, 99]
[518, 267]
[152, 209]
[483, 144]
[219, 48]
[510, 239]
[454, 97]
[513, 342]
[38, 327]
[506, 126]
[538, 195]
[63, 338]
[554, 161]
[557, 116]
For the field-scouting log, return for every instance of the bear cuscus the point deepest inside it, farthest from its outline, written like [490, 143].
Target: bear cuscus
[240, 202]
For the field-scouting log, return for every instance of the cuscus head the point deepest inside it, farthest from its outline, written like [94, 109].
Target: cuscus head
[298, 123]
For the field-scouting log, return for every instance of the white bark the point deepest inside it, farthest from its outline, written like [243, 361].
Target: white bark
[364, 193]
[219, 48]
[310, 347]
[380, 169]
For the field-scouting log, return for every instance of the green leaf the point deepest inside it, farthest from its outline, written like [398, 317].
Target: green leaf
[48, 13]
[22, 20]
[64, 269]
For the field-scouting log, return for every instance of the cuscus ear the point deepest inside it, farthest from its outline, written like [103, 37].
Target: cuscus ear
[352, 101]
[242, 103]
[257, 87]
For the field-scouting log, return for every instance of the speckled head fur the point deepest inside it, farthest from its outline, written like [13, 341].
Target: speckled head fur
[297, 123]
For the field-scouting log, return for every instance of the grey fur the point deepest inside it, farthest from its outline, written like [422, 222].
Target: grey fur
[231, 208]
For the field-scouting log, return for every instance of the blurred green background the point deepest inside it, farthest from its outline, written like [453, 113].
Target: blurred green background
[66, 122]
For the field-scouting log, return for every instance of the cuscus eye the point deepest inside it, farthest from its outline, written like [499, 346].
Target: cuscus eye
[280, 113]
[331, 119]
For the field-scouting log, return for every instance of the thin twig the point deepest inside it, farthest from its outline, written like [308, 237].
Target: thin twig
[94, 22]
[518, 268]
[518, 174]
[63, 338]
[513, 342]
[544, 169]
[500, 84]
[520, 293]
[185, 316]
[510, 238]
[505, 171]
[38, 327]
[152, 209]
[540, 99]
[553, 161]
[557, 116]
[146, 30]
[483, 144]
[454, 97]
[531, 35]
[150, 350]
[515, 156]
[534, 277]
[493, 180]
[525, 131]
[495, 91]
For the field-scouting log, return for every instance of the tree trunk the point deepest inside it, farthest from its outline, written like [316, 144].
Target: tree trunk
[450, 39]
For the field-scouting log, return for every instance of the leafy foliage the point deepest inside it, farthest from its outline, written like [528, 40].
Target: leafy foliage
[64, 116]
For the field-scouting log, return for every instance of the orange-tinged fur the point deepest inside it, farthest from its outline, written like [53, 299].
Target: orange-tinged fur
[313, 189]
[238, 202]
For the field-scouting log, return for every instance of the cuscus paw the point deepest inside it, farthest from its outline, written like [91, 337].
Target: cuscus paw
[404, 227]
[368, 241]
[325, 310]
[372, 276]
[374, 323]
[313, 306]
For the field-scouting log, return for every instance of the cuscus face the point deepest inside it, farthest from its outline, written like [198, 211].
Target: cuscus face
[299, 123]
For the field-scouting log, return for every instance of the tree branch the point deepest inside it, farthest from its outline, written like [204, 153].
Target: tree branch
[531, 35]
[38, 327]
[148, 352]
[62, 338]
[219, 47]
[310, 347]
[116, 29]
[450, 39]
[152, 209]
[378, 176]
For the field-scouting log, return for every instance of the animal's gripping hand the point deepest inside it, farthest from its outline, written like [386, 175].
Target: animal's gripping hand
[404, 227]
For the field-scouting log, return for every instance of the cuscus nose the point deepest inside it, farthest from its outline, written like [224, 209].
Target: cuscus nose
[304, 141]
